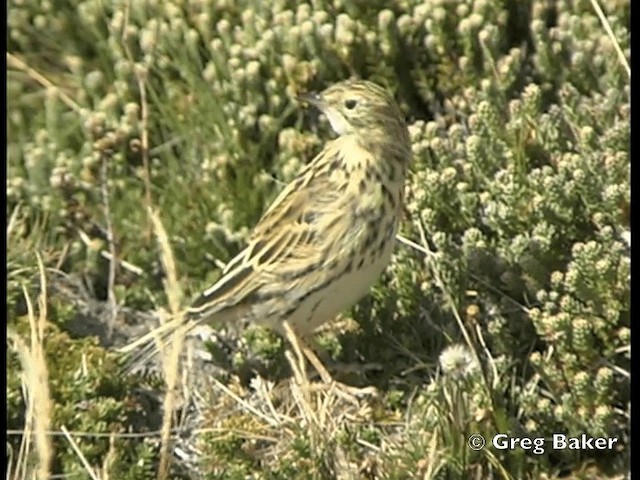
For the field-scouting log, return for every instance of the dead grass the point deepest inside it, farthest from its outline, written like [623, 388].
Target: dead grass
[320, 409]
[170, 361]
[35, 386]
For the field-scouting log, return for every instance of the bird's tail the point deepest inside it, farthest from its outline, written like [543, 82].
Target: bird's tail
[139, 353]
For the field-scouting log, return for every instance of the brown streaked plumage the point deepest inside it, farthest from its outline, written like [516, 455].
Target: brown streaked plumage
[329, 234]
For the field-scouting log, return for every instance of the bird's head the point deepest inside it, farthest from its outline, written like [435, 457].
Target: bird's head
[358, 107]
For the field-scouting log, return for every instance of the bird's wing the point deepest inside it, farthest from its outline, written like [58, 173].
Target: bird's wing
[289, 238]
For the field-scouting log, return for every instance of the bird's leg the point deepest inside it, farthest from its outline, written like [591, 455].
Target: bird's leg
[301, 348]
[355, 368]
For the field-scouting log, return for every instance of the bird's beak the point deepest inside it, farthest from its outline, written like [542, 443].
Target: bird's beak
[338, 123]
[312, 98]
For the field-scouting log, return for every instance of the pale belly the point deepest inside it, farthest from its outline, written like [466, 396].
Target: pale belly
[341, 294]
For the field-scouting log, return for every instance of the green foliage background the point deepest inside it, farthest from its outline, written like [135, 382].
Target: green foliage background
[519, 117]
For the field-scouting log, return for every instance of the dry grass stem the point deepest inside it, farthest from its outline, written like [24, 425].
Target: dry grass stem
[79, 453]
[35, 379]
[607, 28]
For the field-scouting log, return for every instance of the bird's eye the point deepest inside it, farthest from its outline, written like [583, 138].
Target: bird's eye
[350, 104]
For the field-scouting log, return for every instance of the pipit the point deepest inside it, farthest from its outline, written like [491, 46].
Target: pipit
[327, 237]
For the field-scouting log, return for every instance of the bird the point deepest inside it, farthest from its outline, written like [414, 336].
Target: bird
[328, 235]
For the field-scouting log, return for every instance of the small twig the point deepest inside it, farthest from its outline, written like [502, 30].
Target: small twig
[111, 295]
[13, 219]
[263, 388]
[298, 364]
[144, 134]
[62, 256]
[15, 62]
[171, 362]
[140, 74]
[271, 421]
[612, 37]
[34, 377]
[171, 368]
[369, 445]
[487, 352]
[449, 297]
[476, 278]
[452, 303]
[122, 263]
[171, 284]
[414, 245]
[150, 434]
[78, 452]
[110, 458]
